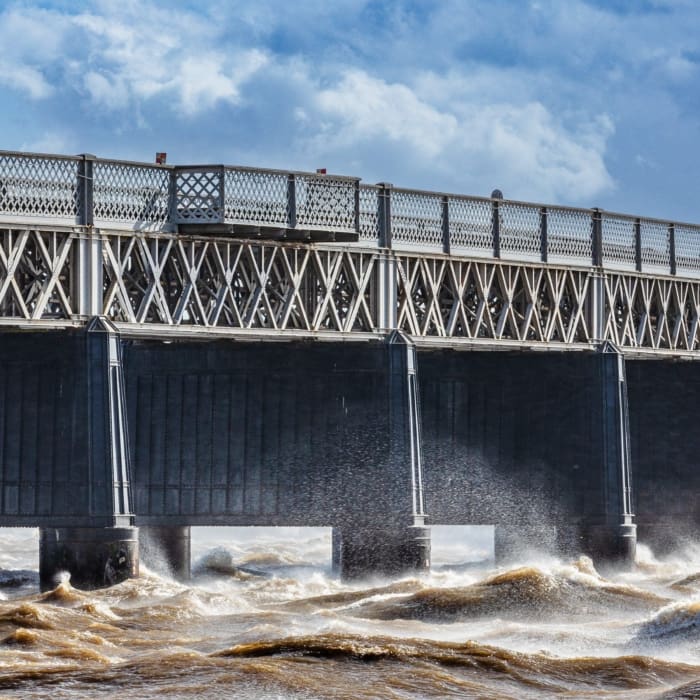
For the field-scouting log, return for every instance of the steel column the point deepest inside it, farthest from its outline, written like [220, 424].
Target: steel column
[397, 541]
[611, 535]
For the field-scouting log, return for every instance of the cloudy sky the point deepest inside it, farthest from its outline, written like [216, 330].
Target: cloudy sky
[583, 102]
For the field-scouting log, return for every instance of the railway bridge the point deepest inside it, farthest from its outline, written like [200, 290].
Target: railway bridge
[215, 345]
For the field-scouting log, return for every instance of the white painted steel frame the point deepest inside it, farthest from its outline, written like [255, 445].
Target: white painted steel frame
[165, 285]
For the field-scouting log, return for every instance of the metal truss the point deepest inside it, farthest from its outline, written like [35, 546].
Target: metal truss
[36, 274]
[479, 300]
[657, 313]
[167, 284]
[237, 285]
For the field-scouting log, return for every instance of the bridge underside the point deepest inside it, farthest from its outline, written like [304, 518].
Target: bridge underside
[168, 435]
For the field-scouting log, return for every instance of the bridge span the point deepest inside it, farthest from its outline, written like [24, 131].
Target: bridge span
[201, 345]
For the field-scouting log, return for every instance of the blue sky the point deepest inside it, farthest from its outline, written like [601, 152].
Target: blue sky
[582, 102]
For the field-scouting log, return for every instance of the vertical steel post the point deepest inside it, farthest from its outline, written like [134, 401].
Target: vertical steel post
[85, 189]
[596, 295]
[638, 245]
[387, 287]
[291, 201]
[672, 246]
[87, 253]
[172, 198]
[387, 291]
[356, 203]
[446, 224]
[496, 228]
[384, 214]
[221, 204]
[597, 237]
[543, 234]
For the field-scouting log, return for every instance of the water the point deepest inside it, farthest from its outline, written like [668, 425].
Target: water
[264, 618]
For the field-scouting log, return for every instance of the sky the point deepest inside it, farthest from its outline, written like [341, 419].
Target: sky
[576, 102]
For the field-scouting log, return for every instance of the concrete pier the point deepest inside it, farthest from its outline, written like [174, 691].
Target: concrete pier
[170, 545]
[92, 557]
[362, 552]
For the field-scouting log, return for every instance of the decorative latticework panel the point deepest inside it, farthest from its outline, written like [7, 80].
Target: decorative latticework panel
[325, 202]
[655, 245]
[39, 186]
[569, 235]
[134, 194]
[36, 276]
[492, 301]
[471, 225]
[416, 220]
[216, 283]
[198, 196]
[256, 197]
[520, 234]
[618, 242]
[687, 239]
[656, 313]
[369, 213]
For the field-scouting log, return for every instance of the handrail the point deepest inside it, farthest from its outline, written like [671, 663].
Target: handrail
[86, 190]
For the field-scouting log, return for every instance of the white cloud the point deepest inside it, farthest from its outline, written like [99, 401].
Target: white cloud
[112, 94]
[24, 78]
[367, 107]
[138, 52]
[49, 142]
[521, 147]
[448, 95]
[207, 78]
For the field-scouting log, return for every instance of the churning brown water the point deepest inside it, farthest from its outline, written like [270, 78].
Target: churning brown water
[265, 619]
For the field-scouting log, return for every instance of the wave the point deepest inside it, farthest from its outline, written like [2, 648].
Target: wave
[539, 670]
[222, 561]
[571, 591]
[673, 622]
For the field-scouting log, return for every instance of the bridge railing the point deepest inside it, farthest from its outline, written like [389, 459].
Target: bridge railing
[84, 190]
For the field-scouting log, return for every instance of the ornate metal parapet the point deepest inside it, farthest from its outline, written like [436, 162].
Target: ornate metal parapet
[46, 190]
[256, 199]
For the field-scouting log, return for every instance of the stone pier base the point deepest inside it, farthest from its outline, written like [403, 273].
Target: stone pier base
[94, 557]
[362, 552]
[169, 544]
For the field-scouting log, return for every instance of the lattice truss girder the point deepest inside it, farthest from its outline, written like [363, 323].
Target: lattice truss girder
[652, 312]
[485, 300]
[243, 285]
[36, 273]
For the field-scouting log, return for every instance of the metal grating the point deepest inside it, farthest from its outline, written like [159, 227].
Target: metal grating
[198, 196]
[369, 213]
[325, 202]
[688, 249]
[520, 230]
[655, 245]
[569, 235]
[619, 242]
[255, 197]
[42, 186]
[416, 219]
[129, 193]
[470, 225]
